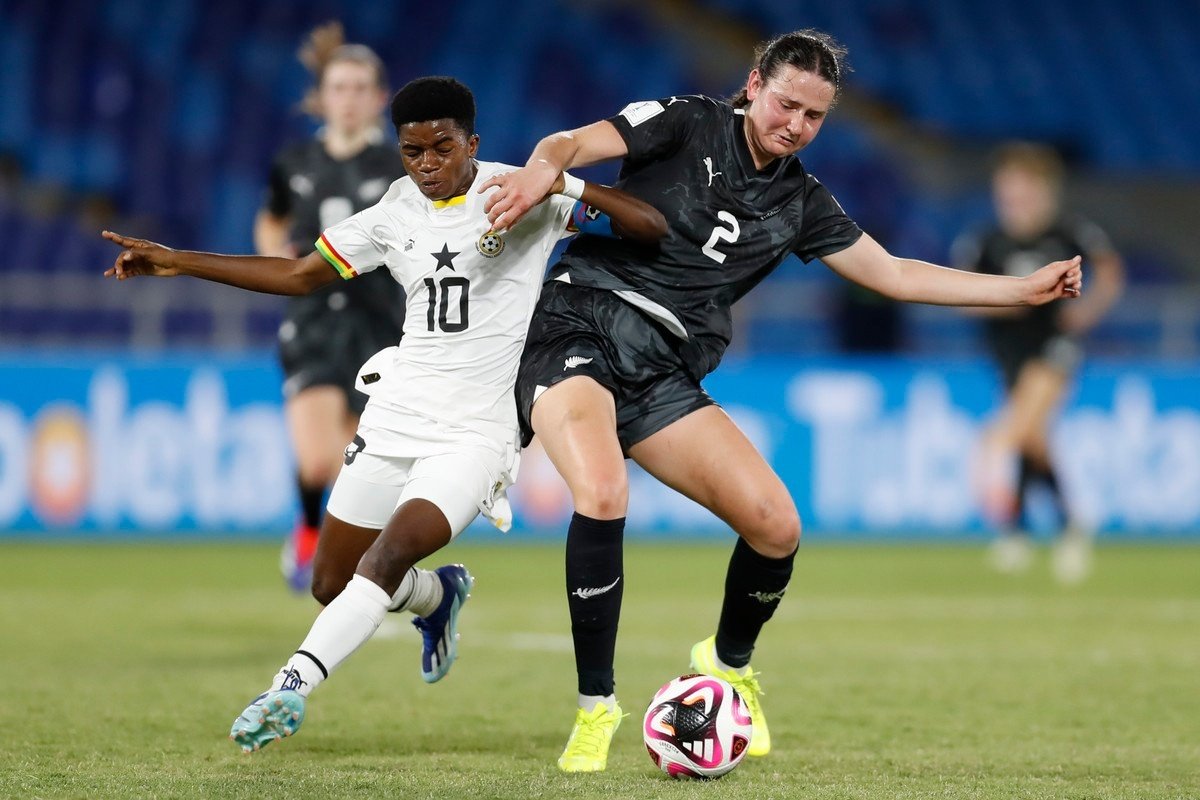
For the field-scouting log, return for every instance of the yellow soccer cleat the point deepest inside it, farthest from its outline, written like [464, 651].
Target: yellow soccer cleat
[587, 749]
[704, 660]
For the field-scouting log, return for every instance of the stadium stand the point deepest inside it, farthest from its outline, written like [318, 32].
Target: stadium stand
[162, 117]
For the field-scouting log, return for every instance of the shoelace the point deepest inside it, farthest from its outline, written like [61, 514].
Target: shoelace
[589, 738]
[747, 686]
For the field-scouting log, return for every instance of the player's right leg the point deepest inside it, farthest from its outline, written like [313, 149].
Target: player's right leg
[339, 550]
[706, 457]
[316, 416]
[385, 580]
[576, 423]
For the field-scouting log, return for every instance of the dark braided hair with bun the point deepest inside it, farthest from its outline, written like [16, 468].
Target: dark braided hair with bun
[807, 50]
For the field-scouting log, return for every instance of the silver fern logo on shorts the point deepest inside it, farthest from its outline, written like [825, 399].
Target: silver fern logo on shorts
[575, 361]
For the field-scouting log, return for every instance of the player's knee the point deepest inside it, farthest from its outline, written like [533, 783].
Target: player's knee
[332, 567]
[316, 474]
[603, 497]
[327, 585]
[774, 530]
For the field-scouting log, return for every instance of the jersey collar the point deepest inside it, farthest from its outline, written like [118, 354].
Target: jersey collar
[457, 200]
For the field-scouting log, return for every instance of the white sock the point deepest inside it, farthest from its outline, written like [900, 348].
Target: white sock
[588, 702]
[339, 630]
[420, 592]
[721, 665]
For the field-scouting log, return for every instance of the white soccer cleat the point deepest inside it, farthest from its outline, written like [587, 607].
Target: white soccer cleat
[1072, 558]
[1011, 553]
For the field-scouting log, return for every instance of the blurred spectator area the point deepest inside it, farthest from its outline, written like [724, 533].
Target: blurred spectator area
[160, 119]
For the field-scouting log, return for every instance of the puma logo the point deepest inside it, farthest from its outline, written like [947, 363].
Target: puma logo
[709, 164]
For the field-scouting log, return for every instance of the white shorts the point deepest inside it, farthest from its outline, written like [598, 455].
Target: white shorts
[462, 484]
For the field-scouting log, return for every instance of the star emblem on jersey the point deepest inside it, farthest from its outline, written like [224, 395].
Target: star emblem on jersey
[491, 244]
[445, 258]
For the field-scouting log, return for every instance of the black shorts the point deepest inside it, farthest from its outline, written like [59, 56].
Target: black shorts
[578, 330]
[1059, 351]
[328, 350]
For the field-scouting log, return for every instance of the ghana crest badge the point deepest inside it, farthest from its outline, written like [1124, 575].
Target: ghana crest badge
[491, 244]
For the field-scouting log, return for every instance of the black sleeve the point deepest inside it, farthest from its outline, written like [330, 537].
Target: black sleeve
[825, 227]
[1091, 239]
[654, 129]
[966, 252]
[278, 199]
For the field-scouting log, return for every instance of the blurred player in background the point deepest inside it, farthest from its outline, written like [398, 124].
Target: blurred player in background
[622, 338]
[327, 334]
[438, 441]
[1037, 349]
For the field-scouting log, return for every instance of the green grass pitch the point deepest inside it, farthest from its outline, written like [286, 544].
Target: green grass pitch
[890, 672]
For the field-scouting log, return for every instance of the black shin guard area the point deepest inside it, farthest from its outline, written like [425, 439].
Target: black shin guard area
[312, 503]
[595, 584]
[754, 585]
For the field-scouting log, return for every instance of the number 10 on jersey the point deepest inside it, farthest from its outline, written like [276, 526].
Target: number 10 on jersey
[439, 303]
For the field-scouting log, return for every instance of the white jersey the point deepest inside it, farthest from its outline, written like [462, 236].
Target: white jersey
[471, 294]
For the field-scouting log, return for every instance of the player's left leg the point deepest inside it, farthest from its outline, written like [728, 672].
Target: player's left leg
[706, 457]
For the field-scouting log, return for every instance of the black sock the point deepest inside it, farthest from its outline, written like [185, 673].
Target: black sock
[595, 584]
[754, 585]
[1025, 478]
[311, 498]
[1031, 473]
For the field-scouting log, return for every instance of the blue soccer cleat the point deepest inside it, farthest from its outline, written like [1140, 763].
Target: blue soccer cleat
[296, 558]
[439, 630]
[272, 715]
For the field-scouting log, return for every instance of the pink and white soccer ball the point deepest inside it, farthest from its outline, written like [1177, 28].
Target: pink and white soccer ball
[696, 727]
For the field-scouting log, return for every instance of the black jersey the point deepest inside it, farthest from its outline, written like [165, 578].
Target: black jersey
[997, 253]
[315, 191]
[729, 223]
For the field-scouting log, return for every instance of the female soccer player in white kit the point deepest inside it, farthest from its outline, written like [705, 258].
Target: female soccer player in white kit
[438, 442]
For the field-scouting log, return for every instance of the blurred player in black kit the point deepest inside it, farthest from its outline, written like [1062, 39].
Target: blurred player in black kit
[328, 334]
[623, 335]
[1036, 349]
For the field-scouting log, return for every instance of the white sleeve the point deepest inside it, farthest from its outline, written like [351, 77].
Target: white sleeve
[360, 243]
[562, 211]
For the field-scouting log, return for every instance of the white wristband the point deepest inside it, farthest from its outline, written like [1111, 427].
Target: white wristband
[572, 186]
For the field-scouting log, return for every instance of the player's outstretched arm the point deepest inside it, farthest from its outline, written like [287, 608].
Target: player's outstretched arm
[866, 262]
[257, 273]
[631, 218]
[522, 189]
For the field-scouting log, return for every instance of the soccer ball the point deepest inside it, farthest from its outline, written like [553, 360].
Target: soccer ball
[696, 727]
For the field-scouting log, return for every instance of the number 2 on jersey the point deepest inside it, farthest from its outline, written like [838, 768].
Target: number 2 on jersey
[438, 308]
[722, 234]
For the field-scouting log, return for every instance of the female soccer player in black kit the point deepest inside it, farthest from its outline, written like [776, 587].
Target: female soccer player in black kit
[328, 334]
[623, 334]
[1037, 349]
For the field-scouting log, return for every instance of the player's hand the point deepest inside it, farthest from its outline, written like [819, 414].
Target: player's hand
[1054, 281]
[517, 192]
[140, 257]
